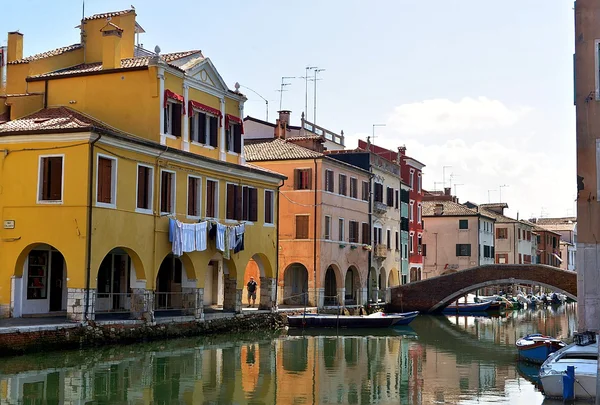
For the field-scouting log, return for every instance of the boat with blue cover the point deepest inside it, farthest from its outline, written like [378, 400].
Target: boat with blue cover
[536, 348]
[467, 307]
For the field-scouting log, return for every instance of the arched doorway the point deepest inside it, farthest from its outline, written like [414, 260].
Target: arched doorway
[351, 286]
[42, 288]
[175, 293]
[220, 285]
[295, 285]
[113, 288]
[331, 296]
[393, 279]
[259, 268]
[415, 274]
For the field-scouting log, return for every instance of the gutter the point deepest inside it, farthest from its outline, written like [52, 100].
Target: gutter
[277, 245]
[370, 259]
[315, 238]
[88, 253]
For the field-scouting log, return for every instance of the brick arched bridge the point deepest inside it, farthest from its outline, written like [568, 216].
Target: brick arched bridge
[433, 294]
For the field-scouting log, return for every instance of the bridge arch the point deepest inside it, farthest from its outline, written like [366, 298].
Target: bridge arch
[433, 294]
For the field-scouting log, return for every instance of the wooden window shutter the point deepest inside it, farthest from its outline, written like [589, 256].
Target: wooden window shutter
[176, 117]
[239, 200]
[193, 129]
[457, 250]
[269, 207]
[210, 198]
[201, 133]
[366, 235]
[165, 192]
[192, 196]
[245, 203]
[104, 180]
[302, 227]
[237, 138]
[142, 191]
[296, 179]
[55, 178]
[468, 248]
[230, 201]
[214, 129]
[253, 217]
[309, 179]
[45, 178]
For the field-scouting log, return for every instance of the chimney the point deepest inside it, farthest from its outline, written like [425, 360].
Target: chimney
[15, 46]
[447, 191]
[111, 46]
[438, 210]
[284, 117]
[282, 123]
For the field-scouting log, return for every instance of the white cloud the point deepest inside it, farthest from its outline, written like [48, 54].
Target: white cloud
[487, 144]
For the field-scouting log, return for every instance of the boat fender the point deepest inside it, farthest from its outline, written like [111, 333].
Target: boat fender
[569, 384]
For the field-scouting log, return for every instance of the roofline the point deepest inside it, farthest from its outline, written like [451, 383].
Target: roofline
[248, 117]
[143, 142]
[330, 159]
[79, 74]
[475, 214]
[414, 160]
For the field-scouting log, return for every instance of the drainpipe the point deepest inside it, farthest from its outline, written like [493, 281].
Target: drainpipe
[315, 236]
[370, 259]
[88, 253]
[277, 244]
[45, 94]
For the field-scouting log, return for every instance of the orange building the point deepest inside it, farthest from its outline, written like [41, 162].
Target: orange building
[324, 233]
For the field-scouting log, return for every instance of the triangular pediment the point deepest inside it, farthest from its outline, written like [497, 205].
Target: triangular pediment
[206, 73]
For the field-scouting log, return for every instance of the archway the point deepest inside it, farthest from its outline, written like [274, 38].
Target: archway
[331, 293]
[260, 270]
[381, 284]
[220, 284]
[415, 274]
[393, 279]
[373, 281]
[352, 286]
[295, 285]
[172, 296]
[42, 288]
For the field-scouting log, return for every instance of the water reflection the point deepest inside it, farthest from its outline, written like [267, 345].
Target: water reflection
[438, 359]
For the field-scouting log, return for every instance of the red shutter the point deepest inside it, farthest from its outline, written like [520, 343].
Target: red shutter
[269, 207]
[253, 214]
[105, 180]
[230, 214]
[308, 179]
[142, 191]
[239, 200]
[297, 179]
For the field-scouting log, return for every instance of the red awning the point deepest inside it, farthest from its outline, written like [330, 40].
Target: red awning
[174, 96]
[194, 105]
[234, 119]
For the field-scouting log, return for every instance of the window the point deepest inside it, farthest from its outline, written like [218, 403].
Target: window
[463, 224]
[397, 235]
[379, 192]
[366, 234]
[377, 235]
[37, 274]
[365, 191]
[353, 187]
[173, 119]
[106, 181]
[50, 186]
[327, 231]
[353, 237]
[329, 181]
[520, 258]
[167, 192]
[411, 211]
[424, 248]
[486, 251]
[519, 233]
[463, 249]
[341, 231]
[269, 206]
[235, 202]
[212, 199]
[193, 202]
[233, 138]
[411, 242]
[343, 184]
[301, 226]
[199, 126]
[145, 183]
[249, 204]
[388, 239]
[501, 233]
[419, 210]
[302, 179]
[396, 199]
[389, 196]
[411, 181]
[419, 182]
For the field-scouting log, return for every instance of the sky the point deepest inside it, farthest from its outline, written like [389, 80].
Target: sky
[481, 92]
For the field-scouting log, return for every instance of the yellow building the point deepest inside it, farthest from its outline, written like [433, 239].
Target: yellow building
[105, 145]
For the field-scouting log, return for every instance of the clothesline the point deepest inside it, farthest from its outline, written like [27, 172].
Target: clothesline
[208, 219]
[192, 237]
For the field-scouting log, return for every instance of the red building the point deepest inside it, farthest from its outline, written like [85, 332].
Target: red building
[411, 171]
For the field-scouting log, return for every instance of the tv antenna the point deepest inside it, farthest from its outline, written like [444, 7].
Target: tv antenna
[316, 71]
[500, 188]
[306, 79]
[281, 90]
[444, 174]
[457, 184]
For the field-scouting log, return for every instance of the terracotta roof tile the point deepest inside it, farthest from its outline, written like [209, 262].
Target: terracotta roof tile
[109, 14]
[46, 54]
[125, 64]
[450, 209]
[303, 138]
[276, 149]
[52, 119]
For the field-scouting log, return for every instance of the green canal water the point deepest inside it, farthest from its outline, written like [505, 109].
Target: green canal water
[436, 360]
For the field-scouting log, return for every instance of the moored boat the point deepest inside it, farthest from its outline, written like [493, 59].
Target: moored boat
[584, 358]
[536, 347]
[376, 320]
[468, 306]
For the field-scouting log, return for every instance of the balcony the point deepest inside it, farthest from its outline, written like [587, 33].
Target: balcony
[380, 251]
[379, 207]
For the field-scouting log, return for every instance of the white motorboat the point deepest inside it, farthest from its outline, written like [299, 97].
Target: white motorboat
[585, 361]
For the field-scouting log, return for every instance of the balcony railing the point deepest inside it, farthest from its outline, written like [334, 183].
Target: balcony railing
[379, 207]
[380, 251]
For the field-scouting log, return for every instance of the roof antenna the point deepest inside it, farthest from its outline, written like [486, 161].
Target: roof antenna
[83, 28]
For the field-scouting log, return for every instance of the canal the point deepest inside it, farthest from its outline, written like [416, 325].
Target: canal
[436, 360]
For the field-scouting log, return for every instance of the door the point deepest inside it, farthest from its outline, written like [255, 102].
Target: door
[57, 263]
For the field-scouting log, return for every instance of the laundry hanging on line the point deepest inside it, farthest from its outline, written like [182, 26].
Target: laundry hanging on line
[186, 237]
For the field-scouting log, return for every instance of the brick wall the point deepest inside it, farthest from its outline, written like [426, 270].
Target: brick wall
[426, 294]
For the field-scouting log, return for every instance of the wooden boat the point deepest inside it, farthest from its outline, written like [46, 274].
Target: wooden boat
[584, 358]
[376, 320]
[468, 306]
[536, 348]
